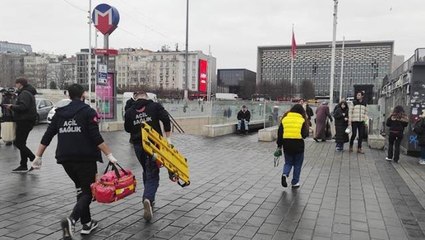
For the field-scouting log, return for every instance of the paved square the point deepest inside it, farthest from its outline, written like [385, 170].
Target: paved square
[235, 194]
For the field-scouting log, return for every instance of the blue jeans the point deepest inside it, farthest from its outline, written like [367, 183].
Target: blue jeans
[423, 153]
[296, 161]
[150, 173]
[245, 123]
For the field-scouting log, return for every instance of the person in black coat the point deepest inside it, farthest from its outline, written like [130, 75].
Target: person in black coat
[244, 116]
[151, 113]
[24, 114]
[78, 150]
[130, 102]
[341, 123]
[396, 122]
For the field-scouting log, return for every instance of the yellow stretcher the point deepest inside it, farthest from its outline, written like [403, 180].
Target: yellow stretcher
[165, 155]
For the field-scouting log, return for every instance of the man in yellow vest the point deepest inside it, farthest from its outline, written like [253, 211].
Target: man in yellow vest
[291, 134]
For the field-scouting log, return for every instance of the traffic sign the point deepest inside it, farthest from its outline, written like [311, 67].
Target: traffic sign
[105, 18]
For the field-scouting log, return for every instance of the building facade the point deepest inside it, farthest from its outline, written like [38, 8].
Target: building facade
[365, 63]
[8, 47]
[163, 69]
[398, 60]
[36, 70]
[11, 67]
[69, 71]
[132, 67]
[239, 81]
[83, 63]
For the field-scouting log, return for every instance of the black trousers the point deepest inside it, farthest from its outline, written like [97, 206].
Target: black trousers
[83, 174]
[394, 146]
[357, 127]
[23, 129]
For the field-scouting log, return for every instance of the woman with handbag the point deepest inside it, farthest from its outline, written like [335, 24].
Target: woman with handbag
[341, 124]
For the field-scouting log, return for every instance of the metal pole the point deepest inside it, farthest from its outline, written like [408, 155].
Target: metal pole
[265, 117]
[89, 58]
[209, 75]
[186, 91]
[331, 88]
[96, 70]
[342, 69]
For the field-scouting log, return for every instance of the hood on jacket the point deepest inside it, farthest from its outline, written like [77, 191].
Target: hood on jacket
[141, 103]
[71, 109]
[29, 88]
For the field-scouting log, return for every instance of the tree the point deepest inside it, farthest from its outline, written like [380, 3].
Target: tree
[282, 89]
[307, 89]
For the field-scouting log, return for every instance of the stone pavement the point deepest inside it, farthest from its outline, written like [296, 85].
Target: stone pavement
[235, 194]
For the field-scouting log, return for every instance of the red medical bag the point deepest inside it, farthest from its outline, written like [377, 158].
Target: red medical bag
[114, 185]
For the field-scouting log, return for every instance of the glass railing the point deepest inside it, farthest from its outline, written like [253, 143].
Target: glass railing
[223, 112]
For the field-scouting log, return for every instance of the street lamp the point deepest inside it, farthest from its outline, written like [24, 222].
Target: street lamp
[186, 91]
[89, 57]
[331, 89]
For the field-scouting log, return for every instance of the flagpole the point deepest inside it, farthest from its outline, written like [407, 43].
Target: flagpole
[292, 68]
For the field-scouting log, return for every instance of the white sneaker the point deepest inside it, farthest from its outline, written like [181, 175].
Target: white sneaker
[296, 185]
[148, 214]
[421, 162]
[388, 159]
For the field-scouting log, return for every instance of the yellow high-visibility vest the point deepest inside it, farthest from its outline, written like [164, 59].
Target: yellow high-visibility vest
[292, 125]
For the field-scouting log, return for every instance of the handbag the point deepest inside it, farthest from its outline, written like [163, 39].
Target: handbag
[8, 131]
[114, 185]
[348, 130]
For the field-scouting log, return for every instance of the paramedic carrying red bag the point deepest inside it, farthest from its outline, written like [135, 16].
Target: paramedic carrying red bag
[114, 185]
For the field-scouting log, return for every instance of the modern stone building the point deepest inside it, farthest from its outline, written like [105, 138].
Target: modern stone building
[8, 47]
[365, 63]
[239, 81]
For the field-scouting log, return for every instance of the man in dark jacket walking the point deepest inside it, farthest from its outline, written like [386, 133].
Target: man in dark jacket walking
[78, 150]
[244, 116]
[25, 114]
[150, 112]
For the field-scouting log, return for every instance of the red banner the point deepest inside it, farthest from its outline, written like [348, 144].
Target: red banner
[203, 75]
[109, 52]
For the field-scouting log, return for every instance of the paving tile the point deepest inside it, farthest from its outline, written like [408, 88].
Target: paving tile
[343, 196]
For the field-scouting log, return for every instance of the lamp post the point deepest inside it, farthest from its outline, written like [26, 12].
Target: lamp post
[186, 90]
[89, 57]
[331, 89]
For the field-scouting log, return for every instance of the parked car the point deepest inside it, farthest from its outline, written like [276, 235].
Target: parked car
[43, 107]
[61, 103]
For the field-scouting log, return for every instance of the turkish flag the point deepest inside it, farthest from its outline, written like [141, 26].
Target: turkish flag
[293, 46]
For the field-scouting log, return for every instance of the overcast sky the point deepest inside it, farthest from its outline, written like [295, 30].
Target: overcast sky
[233, 28]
